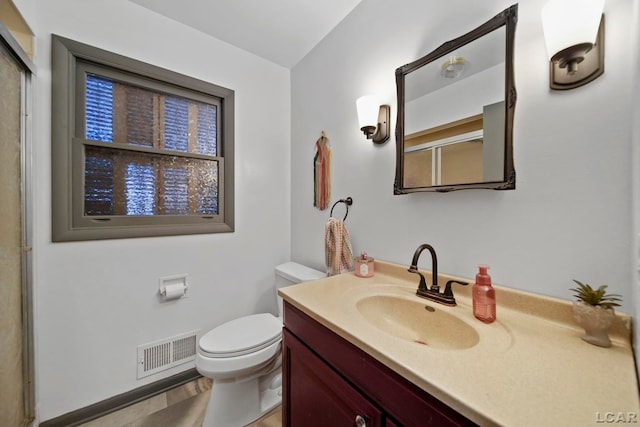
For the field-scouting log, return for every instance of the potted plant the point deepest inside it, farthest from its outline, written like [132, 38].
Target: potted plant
[594, 311]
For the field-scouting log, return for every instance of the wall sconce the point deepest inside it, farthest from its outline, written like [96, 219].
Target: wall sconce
[373, 118]
[574, 34]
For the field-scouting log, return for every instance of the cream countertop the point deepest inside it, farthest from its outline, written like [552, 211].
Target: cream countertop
[530, 367]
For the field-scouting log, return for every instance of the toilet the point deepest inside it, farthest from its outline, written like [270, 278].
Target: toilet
[243, 357]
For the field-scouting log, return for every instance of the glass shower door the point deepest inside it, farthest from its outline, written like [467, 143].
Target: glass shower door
[15, 372]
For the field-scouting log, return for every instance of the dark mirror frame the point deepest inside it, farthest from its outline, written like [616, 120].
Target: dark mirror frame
[507, 18]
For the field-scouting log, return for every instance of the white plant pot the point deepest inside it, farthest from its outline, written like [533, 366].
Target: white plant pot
[596, 321]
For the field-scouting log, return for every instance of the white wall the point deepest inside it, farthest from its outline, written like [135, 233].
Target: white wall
[96, 301]
[571, 214]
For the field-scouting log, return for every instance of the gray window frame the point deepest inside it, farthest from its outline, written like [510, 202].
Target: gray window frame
[68, 220]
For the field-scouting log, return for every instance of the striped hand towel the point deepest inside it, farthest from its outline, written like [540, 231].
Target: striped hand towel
[337, 249]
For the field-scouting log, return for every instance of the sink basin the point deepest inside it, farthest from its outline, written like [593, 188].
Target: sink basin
[420, 322]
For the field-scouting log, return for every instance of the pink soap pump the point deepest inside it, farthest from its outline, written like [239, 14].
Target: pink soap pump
[484, 296]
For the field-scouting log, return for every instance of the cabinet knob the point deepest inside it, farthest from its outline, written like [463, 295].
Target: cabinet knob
[361, 421]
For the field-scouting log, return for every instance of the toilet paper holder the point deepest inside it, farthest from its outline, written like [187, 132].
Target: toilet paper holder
[173, 287]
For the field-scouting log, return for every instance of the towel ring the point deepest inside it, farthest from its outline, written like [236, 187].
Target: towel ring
[348, 202]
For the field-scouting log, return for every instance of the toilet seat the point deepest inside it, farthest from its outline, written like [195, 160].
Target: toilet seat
[241, 336]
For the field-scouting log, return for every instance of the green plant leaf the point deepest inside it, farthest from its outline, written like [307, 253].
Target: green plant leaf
[585, 293]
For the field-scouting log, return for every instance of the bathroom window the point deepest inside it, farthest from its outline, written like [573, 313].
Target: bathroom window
[137, 150]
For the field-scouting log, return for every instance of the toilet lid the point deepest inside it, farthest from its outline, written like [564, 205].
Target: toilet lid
[242, 336]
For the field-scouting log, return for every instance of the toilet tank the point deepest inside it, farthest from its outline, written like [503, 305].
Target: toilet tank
[291, 273]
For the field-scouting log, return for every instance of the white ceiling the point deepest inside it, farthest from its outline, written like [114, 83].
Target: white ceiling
[282, 31]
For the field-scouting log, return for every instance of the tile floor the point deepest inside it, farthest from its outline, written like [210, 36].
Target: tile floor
[183, 406]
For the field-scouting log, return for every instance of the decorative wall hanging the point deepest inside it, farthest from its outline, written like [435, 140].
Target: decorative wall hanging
[322, 173]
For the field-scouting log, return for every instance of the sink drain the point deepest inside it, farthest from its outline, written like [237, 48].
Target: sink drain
[429, 308]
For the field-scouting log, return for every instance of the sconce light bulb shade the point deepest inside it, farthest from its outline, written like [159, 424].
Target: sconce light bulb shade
[568, 23]
[368, 107]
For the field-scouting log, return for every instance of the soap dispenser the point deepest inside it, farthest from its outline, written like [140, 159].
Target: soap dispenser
[484, 296]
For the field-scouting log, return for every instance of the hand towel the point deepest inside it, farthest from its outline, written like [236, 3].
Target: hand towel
[338, 252]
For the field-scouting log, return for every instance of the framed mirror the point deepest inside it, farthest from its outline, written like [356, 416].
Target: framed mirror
[455, 113]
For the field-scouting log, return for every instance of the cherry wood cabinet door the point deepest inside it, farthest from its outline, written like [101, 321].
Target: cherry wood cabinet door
[315, 395]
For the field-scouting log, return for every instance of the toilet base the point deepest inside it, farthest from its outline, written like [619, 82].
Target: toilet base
[238, 403]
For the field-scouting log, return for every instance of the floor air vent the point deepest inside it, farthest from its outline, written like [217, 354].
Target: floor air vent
[161, 355]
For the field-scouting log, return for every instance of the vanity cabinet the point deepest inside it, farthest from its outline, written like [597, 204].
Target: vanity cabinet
[327, 381]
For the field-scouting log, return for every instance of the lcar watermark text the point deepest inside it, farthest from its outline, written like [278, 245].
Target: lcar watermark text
[617, 417]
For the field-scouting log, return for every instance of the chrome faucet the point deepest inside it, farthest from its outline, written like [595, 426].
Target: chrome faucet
[432, 293]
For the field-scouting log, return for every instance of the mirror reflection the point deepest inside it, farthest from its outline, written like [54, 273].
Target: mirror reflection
[455, 113]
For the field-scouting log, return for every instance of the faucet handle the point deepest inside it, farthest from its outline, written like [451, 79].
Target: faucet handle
[448, 291]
